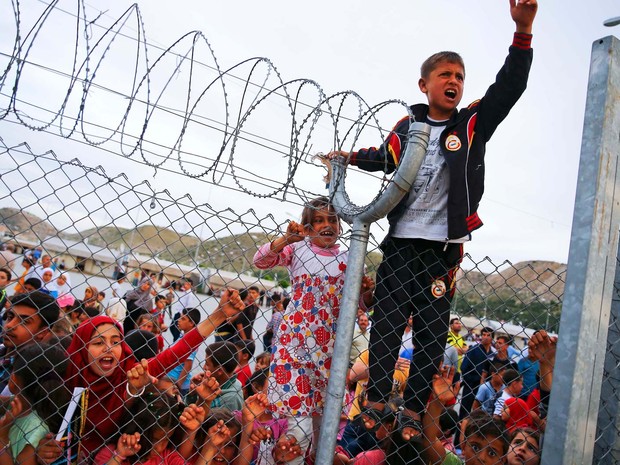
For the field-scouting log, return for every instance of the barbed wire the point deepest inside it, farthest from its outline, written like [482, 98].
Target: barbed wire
[92, 49]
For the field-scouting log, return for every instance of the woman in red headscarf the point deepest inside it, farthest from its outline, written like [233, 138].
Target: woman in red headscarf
[100, 360]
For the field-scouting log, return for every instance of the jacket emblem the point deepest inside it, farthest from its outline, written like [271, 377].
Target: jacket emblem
[453, 143]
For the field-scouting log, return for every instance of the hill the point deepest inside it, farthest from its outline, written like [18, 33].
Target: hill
[527, 280]
[27, 225]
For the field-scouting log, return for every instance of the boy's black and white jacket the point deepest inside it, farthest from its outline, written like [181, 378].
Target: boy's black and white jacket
[463, 142]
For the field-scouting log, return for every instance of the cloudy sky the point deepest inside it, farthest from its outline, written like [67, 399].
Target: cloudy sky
[371, 48]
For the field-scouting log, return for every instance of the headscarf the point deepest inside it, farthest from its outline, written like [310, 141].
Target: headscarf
[51, 285]
[64, 289]
[142, 298]
[105, 398]
[92, 302]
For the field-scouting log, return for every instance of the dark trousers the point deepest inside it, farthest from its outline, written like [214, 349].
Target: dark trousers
[416, 277]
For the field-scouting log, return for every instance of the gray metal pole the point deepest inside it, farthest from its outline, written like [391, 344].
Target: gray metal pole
[571, 423]
[398, 187]
[607, 445]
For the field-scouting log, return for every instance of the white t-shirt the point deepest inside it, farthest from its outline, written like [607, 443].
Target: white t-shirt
[427, 210]
[426, 216]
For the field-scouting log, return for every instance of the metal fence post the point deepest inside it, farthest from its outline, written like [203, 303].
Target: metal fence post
[571, 423]
[607, 445]
[361, 218]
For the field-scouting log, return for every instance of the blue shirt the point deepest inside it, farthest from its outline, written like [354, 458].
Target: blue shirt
[474, 362]
[487, 396]
[528, 370]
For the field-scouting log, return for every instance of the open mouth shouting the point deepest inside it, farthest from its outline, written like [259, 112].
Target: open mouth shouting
[451, 94]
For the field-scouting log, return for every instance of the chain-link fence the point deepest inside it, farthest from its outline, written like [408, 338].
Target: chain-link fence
[63, 236]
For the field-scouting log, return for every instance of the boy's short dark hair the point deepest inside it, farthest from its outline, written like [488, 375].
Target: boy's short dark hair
[488, 330]
[159, 297]
[258, 379]
[504, 338]
[449, 421]
[102, 294]
[120, 276]
[143, 343]
[497, 366]
[510, 376]
[440, 57]
[254, 288]
[43, 303]
[34, 282]
[246, 346]
[193, 314]
[484, 425]
[7, 272]
[453, 320]
[223, 354]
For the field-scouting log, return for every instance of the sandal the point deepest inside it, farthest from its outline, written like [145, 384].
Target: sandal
[372, 418]
[405, 421]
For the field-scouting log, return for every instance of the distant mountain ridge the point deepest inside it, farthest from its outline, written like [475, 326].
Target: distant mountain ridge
[528, 279]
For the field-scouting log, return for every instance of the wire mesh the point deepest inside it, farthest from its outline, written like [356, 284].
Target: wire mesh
[65, 237]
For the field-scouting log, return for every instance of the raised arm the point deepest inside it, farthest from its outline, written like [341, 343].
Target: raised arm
[523, 13]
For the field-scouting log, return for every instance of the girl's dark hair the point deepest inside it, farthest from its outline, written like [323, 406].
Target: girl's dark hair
[39, 369]
[485, 426]
[528, 432]
[312, 206]
[217, 414]
[153, 410]
[449, 421]
[258, 378]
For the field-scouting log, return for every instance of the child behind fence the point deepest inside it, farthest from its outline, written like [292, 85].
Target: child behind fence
[39, 400]
[149, 433]
[304, 340]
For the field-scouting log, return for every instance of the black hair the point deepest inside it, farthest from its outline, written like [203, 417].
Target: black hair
[193, 314]
[257, 380]
[510, 376]
[484, 425]
[453, 320]
[488, 330]
[497, 366]
[34, 282]
[120, 276]
[448, 421]
[504, 337]
[246, 346]
[254, 288]
[43, 303]
[142, 343]
[229, 419]
[223, 354]
[7, 272]
[153, 410]
[159, 297]
[39, 369]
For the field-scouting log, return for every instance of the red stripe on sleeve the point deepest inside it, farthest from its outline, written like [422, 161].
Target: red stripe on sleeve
[522, 40]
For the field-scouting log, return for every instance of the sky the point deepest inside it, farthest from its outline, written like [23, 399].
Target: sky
[371, 48]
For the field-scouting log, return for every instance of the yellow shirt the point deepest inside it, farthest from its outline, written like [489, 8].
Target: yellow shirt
[400, 377]
[457, 341]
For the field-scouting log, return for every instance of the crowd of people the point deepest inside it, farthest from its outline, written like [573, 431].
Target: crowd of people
[85, 381]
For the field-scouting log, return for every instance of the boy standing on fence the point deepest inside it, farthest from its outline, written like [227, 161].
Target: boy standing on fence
[423, 248]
